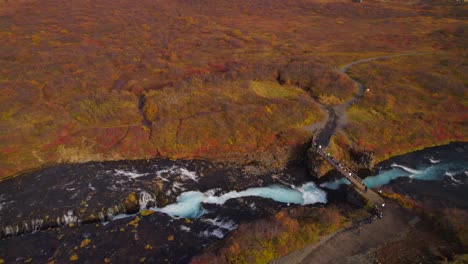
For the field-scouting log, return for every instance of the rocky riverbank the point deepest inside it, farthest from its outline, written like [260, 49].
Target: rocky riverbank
[431, 207]
[73, 205]
[79, 208]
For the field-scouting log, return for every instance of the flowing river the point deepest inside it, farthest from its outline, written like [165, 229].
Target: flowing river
[183, 206]
[448, 164]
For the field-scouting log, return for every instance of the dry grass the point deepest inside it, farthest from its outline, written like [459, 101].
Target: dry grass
[413, 102]
[265, 240]
[71, 74]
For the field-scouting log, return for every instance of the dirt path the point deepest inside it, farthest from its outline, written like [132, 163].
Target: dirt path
[336, 118]
[337, 248]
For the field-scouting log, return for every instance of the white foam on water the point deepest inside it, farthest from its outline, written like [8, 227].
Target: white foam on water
[162, 178]
[112, 187]
[434, 161]
[212, 192]
[74, 195]
[175, 170]
[215, 233]
[224, 224]
[177, 186]
[145, 198]
[334, 185]
[189, 203]
[68, 184]
[311, 194]
[121, 216]
[185, 228]
[129, 174]
[188, 174]
[430, 173]
[410, 170]
[450, 176]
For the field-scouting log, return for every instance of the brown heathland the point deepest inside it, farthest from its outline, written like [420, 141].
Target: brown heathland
[224, 80]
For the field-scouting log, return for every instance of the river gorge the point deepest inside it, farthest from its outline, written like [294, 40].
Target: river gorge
[189, 204]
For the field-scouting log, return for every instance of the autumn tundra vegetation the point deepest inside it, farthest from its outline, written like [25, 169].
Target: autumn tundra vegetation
[223, 80]
[265, 240]
[231, 81]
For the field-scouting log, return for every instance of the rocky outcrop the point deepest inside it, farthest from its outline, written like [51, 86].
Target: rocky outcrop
[356, 160]
[362, 159]
[159, 186]
[316, 165]
[131, 204]
[77, 216]
[356, 198]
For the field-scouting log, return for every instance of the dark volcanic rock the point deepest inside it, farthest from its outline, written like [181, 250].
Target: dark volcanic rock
[99, 191]
[131, 204]
[355, 198]
[364, 159]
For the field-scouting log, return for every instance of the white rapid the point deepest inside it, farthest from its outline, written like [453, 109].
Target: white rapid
[129, 174]
[189, 204]
[410, 170]
[432, 172]
[335, 184]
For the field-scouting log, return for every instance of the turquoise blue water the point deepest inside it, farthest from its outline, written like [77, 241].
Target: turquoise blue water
[189, 204]
[449, 165]
[333, 185]
[433, 172]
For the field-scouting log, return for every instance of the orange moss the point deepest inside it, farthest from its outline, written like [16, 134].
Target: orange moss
[76, 69]
[265, 240]
[403, 111]
[402, 200]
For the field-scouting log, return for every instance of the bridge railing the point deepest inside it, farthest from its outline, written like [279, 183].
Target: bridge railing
[351, 176]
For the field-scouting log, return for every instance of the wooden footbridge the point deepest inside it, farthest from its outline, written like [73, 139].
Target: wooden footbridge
[356, 182]
[347, 173]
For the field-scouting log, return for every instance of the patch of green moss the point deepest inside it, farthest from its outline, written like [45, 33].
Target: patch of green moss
[271, 89]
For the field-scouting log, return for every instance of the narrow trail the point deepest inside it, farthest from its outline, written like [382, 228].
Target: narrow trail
[338, 247]
[336, 118]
